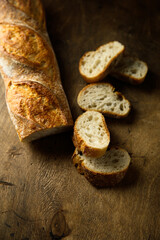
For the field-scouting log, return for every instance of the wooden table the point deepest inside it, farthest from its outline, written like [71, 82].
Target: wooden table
[41, 193]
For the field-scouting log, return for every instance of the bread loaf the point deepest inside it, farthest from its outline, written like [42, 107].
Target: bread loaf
[34, 95]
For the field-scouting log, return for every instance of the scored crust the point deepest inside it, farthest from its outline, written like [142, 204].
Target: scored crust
[28, 61]
[98, 179]
[82, 146]
[106, 113]
[33, 108]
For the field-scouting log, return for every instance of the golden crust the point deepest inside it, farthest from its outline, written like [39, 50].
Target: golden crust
[18, 11]
[34, 102]
[106, 113]
[25, 45]
[32, 8]
[82, 146]
[34, 94]
[96, 178]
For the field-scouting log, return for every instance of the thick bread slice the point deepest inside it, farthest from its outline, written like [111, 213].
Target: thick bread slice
[91, 135]
[102, 97]
[95, 65]
[131, 70]
[105, 171]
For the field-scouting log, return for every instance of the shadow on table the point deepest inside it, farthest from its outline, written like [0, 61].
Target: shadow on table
[54, 146]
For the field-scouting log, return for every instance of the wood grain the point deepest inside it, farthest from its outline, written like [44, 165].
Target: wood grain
[39, 187]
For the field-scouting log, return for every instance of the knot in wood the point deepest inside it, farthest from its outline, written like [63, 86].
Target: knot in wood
[58, 225]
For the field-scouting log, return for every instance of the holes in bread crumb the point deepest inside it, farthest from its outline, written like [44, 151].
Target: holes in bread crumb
[90, 118]
[112, 109]
[121, 107]
[102, 98]
[116, 160]
[115, 154]
[109, 104]
[115, 167]
[88, 135]
[90, 71]
[134, 71]
[110, 47]
[96, 119]
[96, 63]
[85, 92]
[121, 166]
[109, 56]
[94, 105]
[83, 63]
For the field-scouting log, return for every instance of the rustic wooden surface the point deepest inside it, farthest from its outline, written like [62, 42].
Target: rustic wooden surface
[41, 194]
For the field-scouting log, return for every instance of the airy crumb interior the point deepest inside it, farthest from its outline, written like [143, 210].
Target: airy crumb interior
[95, 62]
[132, 68]
[91, 127]
[114, 160]
[100, 97]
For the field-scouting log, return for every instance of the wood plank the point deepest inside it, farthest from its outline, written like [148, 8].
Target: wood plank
[40, 190]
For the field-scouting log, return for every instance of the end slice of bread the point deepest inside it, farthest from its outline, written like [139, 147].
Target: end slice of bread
[131, 70]
[102, 97]
[95, 65]
[105, 171]
[91, 135]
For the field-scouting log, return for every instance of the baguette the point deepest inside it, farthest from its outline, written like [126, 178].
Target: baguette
[91, 135]
[105, 171]
[131, 70]
[102, 97]
[95, 65]
[34, 95]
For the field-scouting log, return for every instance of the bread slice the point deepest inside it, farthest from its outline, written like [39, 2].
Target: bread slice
[105, 171]
[131, 70]
[102, 97]
[91, 135]
[95, 65]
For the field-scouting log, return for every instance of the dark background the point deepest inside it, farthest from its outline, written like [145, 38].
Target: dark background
[41, 193]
